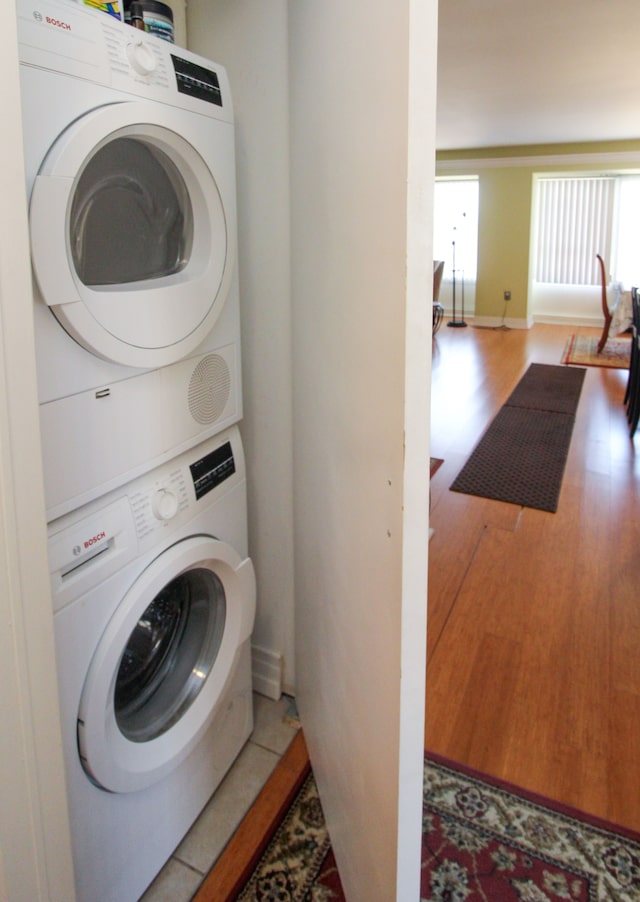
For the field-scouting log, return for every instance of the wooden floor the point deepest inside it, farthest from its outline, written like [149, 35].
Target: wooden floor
[533, 663]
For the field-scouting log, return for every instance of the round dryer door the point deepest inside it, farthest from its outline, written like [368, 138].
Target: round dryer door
[159, 674]
[132, 220]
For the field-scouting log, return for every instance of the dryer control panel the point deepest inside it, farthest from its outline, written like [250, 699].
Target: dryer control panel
[65, 37]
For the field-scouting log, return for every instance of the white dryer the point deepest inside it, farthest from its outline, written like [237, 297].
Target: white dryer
[154, 604]
[129, 150]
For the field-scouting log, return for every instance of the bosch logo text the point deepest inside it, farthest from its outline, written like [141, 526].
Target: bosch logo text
[94, 539]
[58, 23]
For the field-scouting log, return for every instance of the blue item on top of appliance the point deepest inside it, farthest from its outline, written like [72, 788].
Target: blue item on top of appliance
[111, 7]
[158, 19]
[154, 17]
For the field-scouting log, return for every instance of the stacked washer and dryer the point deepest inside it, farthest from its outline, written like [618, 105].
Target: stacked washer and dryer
[129, 151]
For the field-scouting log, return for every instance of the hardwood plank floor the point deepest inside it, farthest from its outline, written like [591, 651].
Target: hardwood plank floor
[533, 664]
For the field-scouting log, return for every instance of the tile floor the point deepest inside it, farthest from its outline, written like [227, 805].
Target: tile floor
[182, 875]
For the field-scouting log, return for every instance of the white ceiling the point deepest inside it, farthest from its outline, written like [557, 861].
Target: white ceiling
[537, 71]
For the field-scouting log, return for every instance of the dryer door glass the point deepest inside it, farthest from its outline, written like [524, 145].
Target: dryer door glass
[169, 655]
[131, 216]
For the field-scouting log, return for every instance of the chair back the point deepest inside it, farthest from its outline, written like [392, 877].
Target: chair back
[603, 281]
[605, 306]
[632, 394]
[635, 309]
[438, 269]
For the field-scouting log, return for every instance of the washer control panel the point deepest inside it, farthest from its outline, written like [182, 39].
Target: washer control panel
[156, 504]
[89, 545]
[212, 469]
[171, 491]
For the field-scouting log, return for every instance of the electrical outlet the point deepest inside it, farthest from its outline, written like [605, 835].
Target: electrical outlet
[507, 295]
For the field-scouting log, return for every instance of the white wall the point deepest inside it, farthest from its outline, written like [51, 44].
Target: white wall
[361, 273]
[579, 305]
[249, 37]
[179, 10]
[35, 857]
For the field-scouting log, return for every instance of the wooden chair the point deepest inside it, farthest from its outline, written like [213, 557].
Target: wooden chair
[438, 309]
[632, 394]
[605, 306]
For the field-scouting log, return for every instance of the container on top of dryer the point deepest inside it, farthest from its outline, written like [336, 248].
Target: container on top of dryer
[130, 164]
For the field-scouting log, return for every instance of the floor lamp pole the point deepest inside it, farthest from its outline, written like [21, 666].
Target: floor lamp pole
[456, 323]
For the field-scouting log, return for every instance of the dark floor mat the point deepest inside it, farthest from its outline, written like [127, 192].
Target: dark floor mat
[545, 387]
[522, 456]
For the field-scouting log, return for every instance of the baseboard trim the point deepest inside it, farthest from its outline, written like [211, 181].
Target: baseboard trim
[494, 322]
[266, 672]
[559, 320]
[497, 322]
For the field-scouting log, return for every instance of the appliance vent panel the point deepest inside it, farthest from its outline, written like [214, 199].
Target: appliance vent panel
[209, 389]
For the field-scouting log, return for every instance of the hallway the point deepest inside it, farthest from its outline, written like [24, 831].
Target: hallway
[533, 670]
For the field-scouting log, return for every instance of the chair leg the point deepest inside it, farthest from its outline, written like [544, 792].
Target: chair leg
[633, 407]
[633, 363]
[605, 305]
[605, 333]
[438, 313]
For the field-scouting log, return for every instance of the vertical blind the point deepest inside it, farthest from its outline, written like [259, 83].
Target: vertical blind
[574, 223]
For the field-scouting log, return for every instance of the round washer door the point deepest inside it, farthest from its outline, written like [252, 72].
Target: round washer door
[160, 671]
[132, 218]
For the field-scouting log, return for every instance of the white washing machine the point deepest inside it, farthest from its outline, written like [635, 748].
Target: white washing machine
[154, 604]
[129, 151]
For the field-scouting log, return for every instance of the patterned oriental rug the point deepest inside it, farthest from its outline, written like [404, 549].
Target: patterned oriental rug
[483, 841]
[581, 350]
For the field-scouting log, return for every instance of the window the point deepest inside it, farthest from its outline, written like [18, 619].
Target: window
[579, 217]
[625, 264]
[456, 225]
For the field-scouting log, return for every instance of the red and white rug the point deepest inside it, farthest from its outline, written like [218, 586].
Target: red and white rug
[581, 350]
[482, 841]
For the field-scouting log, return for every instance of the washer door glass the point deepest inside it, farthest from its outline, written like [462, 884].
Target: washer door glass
[131, 216]
[162, 668]
[169, 655]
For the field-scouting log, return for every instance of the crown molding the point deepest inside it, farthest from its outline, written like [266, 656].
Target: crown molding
[617, 158]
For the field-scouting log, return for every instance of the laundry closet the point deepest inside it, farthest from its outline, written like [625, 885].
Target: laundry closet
[338, 409]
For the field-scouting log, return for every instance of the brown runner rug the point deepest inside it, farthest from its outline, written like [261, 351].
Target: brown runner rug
[581, 350]
[521, 457]
[552, 388]
[482, 840]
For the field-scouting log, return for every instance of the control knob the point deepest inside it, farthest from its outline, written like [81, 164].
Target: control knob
[164, 504]
[141, 58]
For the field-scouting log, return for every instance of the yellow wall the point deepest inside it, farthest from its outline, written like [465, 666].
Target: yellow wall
[503, 242]
[506, 183]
